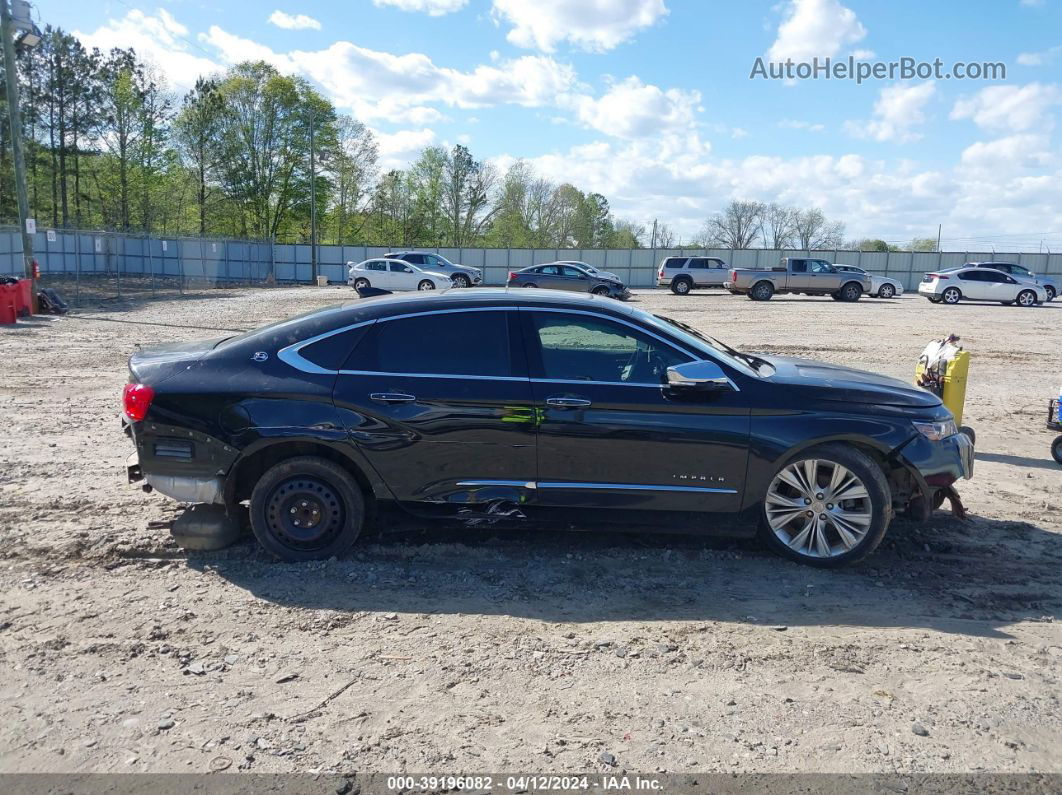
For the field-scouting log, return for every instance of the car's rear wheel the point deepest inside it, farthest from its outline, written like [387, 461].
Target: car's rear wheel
[361, 284]
[460, 280]
[426, 285]
[1051, 292]
[1026, 298]
[951, 295]
[851, 292]
[306, 508]
[530, 284]
[1056, 449]
[761, 291]
[681, 286]
[886, 291]
[828, 507]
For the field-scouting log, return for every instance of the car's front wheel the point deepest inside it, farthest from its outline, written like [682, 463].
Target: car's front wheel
[1026, 298]
[600, 290]
[460, 280]
[1051, 292]
[426, 285]
[361, 284]
[886, 291]
[828, 507]
[306, 508]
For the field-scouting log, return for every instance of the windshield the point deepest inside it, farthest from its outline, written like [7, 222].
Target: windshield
[746, 362]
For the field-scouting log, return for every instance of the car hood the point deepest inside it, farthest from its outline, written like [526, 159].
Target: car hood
[436, 274]
[847, 385]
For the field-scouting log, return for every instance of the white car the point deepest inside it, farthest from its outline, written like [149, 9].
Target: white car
[880, 286]
[394, 275]
[980, 284]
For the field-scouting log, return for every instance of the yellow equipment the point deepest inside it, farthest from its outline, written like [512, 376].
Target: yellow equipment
[952, 383]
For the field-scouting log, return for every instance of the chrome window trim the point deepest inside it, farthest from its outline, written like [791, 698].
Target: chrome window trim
[292, 357]
[524, 484]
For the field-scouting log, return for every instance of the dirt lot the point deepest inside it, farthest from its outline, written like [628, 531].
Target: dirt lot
[475, 652]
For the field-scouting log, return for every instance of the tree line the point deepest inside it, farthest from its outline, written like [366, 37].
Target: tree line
[108, 146]
[243, 154]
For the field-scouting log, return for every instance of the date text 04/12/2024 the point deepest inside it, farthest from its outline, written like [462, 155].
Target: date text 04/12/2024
[528, 783]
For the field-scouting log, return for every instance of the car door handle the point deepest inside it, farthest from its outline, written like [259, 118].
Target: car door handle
[392, 397]
[567, 402]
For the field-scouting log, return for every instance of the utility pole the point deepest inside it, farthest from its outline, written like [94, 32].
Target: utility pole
[14, 118]
[313, 199]
[939, 227]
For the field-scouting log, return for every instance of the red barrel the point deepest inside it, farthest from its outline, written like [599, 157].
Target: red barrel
[8, 314]
[24, 297]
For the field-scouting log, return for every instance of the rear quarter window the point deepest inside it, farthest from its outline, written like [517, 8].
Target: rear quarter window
[675, 262]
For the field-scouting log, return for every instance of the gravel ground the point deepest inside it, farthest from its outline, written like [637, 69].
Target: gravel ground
[480, 651]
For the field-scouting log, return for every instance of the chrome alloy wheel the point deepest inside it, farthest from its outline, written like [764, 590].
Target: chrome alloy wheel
[818, 508]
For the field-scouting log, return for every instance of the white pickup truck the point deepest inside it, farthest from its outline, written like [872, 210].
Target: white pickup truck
[799, 275]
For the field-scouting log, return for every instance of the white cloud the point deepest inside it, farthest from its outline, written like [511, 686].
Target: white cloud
[294, 21]
[398, 149]
[1009, 108]
[797, 124]
[159, 38]
[434, 8]
[593, 26]
[898, 109]
[632, 109]
[1008, 185]
[815, 28]
[863, 55]
[1039, 58]
[375, 84]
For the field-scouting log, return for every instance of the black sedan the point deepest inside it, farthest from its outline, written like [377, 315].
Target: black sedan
[568, 276]
[567, 409]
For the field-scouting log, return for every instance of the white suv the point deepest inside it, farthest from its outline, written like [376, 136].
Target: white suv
[682, 274]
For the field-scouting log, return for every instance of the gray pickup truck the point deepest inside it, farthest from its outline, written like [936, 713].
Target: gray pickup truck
[798, 275]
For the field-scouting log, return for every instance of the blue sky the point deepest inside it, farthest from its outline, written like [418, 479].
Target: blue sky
[650, 101]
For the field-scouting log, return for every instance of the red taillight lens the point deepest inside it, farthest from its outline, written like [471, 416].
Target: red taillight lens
[136, 400]
[936, 276]
[733, 276]
[511, 275]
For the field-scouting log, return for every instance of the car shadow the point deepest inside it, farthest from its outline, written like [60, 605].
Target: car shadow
[1021, 460]
[973, 577]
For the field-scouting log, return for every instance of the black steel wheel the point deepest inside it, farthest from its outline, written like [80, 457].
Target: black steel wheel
[306, 508]
[762, 291]
[851, 292]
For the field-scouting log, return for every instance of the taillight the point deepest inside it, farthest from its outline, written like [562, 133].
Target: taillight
[733, 276]
[136, 400]
[660, 275]
[511, 276]
[936, 276]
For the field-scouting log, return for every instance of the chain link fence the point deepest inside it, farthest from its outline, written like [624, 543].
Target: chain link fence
[88, 267]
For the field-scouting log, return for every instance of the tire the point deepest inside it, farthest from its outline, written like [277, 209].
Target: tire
[361, 284]
[600, 290]
[761, 291]
[530, 284]
[835, 536]
[323, 495]
[951, 295]
[1026, 298]
[462, 281]
[887, 291]
[1050, 292]
[681, 286]
[835, 296]
[969, 433]
[1056, 449]
[851, 292]
[934, 299]
[426, 285]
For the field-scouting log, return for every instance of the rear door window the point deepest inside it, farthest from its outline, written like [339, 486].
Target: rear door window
[448, 343]
[798, 265]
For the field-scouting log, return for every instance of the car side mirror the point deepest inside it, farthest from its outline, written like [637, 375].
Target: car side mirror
[703, 376]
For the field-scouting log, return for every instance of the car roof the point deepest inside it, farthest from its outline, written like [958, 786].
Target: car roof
[451, 299]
